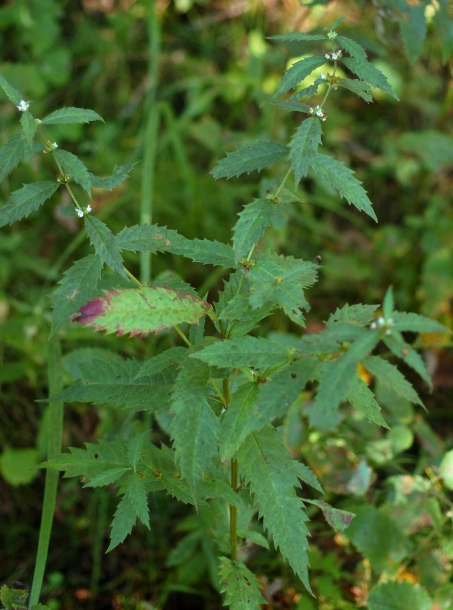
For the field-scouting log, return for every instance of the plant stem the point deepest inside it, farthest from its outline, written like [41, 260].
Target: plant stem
[54, 439]
[234, 511]
[150, 142]
[182, 335]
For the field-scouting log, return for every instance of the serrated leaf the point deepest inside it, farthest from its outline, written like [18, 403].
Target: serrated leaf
[298, 37]
[105, 244]
[132, 505]
[233, 427]
[169, 359]
[300, 70]
[112, 382]
[305, 474]
[399, 596]
[363, 401]
[413, 28]
[307, 92]
[416, 323]
[26, 200]
[76, 288]
[71, 115]
[304, 146]
[357, 86]
[120, 174]
[161, 463]
[249, 158]
[267, 468]
[135, 448]
[354, 49]
[253, 221]
[336, 518]
[74, 168]
[362, 314]
[205, 251]
[140, 311]
[342, 179]
[217, 488]
[11, 154]
[243, 352]
[369, 73]
[336, 23]
[292, 106]
[390, 377]
[388, 305]
[29, 126]
[340, 374]
[107, 477]
[241, 586]
[12, 94]
[194, 426]
[403, 350]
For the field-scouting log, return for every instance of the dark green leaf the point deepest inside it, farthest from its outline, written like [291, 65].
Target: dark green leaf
[12, 94]
[104, 243]
[74, 168]
[11, 154]
[241, 586]
[367, 72]
[354, 49]
[29, 126]
[391, 378]
[253, 221]
[359, 87]
[299, 71]
[362, 399]
[71, 115]
[164, 361]
[413, 28]
[26, 200]
[120, 174]
[132, 505]
[304, 146]
[249, 158]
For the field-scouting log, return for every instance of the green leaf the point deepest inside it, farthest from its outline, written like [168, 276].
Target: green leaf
[307, 92]
[113, 382]
[166, 360]
[140, 311]
[74, 168]
[359, 87]
[292, 106]
[304, 146]
[342, 179]
[300, 70]
[388, 305]
[104, 242]
[446, 469]
[71, 115]
[76, 288]
[135, 448]
[26, 200]
[245, 351]
[363, 401]
[369, 73]
[403, 350]
[416, 323]
[11, 154]
[107, 477]
[233, 427]
[194, 426]
[338, 519]
[298, 37]
[362, 314]
[241, 586]
[29, 126]
[413, 28]
[161, 465]
[399, 596]
[354, 49]
[12, 94]
[267, 468]
[253, 221]
[305, 474]
[132, 505]
[249, 158]
[336, 23]
[120, 174]
[390, 377]
[340, 374]
[205, 251]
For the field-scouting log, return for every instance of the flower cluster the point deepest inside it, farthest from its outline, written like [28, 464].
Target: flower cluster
[334, 55]
[50, 146]
[23, 106]
[383, 323]
[81, 213]
[319, 112]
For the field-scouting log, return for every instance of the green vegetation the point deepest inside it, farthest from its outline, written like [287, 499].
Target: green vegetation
[252, 421]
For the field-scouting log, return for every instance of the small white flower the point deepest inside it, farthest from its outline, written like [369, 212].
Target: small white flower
[79, 213]
[334, 56]
[23, 106]
[38, 121]
[390, 322]
[388, 332]
[327, 56]
[339, 52]
[381, 321]
[323, 76]
[373, 326]
[89, 208]
[311, 110]
[324, 118]
[55, 145]
[319, 112]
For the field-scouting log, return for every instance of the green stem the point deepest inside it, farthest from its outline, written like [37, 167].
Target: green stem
[150, 143]
[234, 512]
[283, 182]
[132, 277]
[54, 439]
[182, 335]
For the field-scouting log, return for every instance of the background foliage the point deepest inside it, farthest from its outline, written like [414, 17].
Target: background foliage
[215, 68]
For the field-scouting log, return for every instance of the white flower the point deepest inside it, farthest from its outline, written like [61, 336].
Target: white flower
[390, 322]
[373, 326]
[311, 110]
[79, 213]
[334, 56]
[89, 208]
[381, 321]
[23, 106]
[327, 56]
[319, 112]
[388, 332]
[55, 145]
[323, 76]
[38, 121]
[324, 118]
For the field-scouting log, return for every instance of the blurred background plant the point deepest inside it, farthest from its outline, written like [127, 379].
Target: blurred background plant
[178, 84]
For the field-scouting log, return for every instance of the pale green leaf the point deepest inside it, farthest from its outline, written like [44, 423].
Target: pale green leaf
[413, 28]
[297, 37]
[107, 477]
[403, 350]
[342, 179]
[359, 87]
[29, 126]
[390, 377]
[120, 174]
[306, 92]
[77, 287]
[388, 305]
[140, 311]
[305, 474]
[362, 399]
[362, 314]
[132, 505]
[11, 154]
[291, 105]
[241, 587]
[354, 49]
[247, 351]
[26, 200]
[304, 146]
[103, 241]
[71, 115]
[74, 168]
[205, 251]
[12, 94]
[267, 469]
[368, 73]
[446, 469]
[399, 596]
[253, 221]
[249, 158]
[299, 71]
[416, 323]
